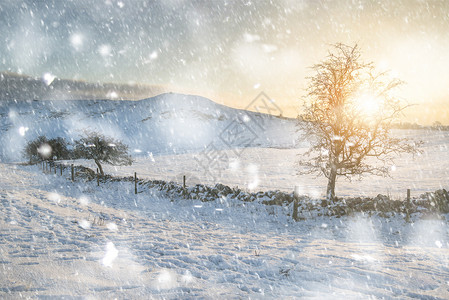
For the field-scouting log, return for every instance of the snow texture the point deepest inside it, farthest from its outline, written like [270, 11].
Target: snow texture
[150, 246]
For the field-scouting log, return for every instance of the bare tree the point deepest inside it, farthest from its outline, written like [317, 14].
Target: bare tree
[102, 149]
[46, 149]
[349, 111]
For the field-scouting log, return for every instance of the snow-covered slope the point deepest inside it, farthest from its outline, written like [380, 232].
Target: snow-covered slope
[168, 123]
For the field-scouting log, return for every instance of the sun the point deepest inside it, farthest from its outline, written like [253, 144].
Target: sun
[367, 106]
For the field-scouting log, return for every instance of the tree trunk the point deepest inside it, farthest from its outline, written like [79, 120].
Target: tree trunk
[331, 184]
[99, 167]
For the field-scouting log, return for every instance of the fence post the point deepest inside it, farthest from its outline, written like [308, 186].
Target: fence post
[295, 204]
[135, 183]
[98, 178]
[407, 207]
[62, 166]
[73, 173]
[55, 168]
[184, 182]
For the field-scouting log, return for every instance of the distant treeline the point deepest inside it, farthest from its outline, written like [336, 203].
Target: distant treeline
[436, 126]
[403, 125]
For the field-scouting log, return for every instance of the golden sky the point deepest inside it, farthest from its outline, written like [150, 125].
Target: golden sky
[408, 38]
[230, 51]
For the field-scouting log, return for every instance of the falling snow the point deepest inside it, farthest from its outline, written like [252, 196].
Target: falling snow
[185, 85]
[77, 40]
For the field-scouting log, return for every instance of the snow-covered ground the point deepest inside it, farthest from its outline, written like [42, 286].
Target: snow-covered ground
[79, 241]
[276, 169]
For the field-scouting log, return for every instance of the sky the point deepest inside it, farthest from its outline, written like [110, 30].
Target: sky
[230, 51]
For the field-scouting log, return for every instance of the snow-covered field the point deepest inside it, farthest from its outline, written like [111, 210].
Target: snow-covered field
[276, 169]
[77, 241]
[172, 135]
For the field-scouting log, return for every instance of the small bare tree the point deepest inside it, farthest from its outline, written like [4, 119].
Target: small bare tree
[102, 149]
[349, 111]
[46, 149]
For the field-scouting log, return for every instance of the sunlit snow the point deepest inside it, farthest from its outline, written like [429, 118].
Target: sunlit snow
[85, 224]
[23, 130]
[112, 226]
[110, 255]
[55, 197]
[84, 200]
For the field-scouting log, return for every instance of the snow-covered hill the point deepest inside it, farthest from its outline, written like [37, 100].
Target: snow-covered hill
[168, 123]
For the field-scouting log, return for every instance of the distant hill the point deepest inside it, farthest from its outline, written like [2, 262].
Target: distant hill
[165, 124]
[22, 87]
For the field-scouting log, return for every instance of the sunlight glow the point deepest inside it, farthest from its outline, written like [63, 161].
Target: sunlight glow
[368, 106]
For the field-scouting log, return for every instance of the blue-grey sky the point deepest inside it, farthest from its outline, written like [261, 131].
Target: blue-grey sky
[229, 50]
